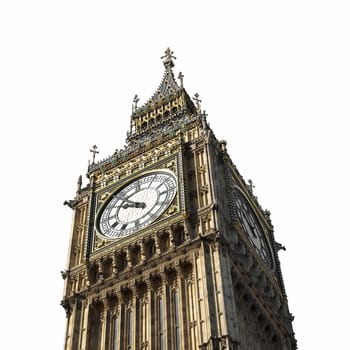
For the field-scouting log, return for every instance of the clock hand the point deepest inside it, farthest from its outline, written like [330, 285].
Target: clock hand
[130, 204]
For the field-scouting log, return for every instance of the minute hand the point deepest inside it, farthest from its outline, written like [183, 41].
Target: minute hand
[124, 200]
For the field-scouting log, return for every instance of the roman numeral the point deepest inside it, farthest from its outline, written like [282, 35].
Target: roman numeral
[151, 181]
[115, 224]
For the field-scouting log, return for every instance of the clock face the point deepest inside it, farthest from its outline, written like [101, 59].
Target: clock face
[252, 228]
[136, 205]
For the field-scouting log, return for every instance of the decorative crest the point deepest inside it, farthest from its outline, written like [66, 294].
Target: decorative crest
[168, 62]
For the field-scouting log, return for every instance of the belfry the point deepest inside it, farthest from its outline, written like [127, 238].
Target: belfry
[169, 248]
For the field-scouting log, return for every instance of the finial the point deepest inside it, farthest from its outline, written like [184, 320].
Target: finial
[198, 101]
[250, 186]
[223, 145]
[181, 77]
[135, 101]
[204, 120]
[94, 152]
[168, 62]
[79, 183]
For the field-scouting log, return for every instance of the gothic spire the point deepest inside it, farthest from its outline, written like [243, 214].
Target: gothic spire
[168, 85]
[166, 103]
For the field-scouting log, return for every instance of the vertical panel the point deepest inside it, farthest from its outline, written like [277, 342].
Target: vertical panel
[219, 297]
[94, 328]
[143, 323]
[122, 327]
[103, 327]
[137, 323]
[90, 223]
[81, 233]
[160, 329]
[84, 325]
[70, 321]
[115, 333]
[168, 317]
[198, 183]
[191, 313]
[201, 298]
[176, 320]
[129, 330]
[151, 321]
[76, 327]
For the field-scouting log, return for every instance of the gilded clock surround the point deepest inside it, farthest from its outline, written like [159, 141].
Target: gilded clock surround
[191, 279]
[167, 160]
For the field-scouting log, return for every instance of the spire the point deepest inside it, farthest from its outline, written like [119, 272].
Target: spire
[168, 85]
[166, 103]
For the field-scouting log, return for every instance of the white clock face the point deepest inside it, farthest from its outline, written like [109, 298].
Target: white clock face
[137, 204]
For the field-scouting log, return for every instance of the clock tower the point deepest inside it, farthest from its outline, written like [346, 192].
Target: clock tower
[169, 247]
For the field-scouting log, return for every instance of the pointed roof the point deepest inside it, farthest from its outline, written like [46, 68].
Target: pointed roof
[168, 85]
[169, 103]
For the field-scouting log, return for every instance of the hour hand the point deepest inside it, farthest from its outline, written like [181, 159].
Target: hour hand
[131, 204]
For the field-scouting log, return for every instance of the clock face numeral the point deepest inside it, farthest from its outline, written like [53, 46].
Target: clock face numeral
[137, 204]
[114, 225]
[252, 228]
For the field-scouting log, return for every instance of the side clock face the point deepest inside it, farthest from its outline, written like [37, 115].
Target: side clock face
[252, 228]
[136, 205]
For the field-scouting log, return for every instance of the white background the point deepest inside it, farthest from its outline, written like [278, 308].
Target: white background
[274, 80]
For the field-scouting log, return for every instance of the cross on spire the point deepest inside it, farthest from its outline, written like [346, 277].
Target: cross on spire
[168, 62]
[198, 101]
[94, 152]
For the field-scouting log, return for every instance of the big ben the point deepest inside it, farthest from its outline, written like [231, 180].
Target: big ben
[170, 248]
